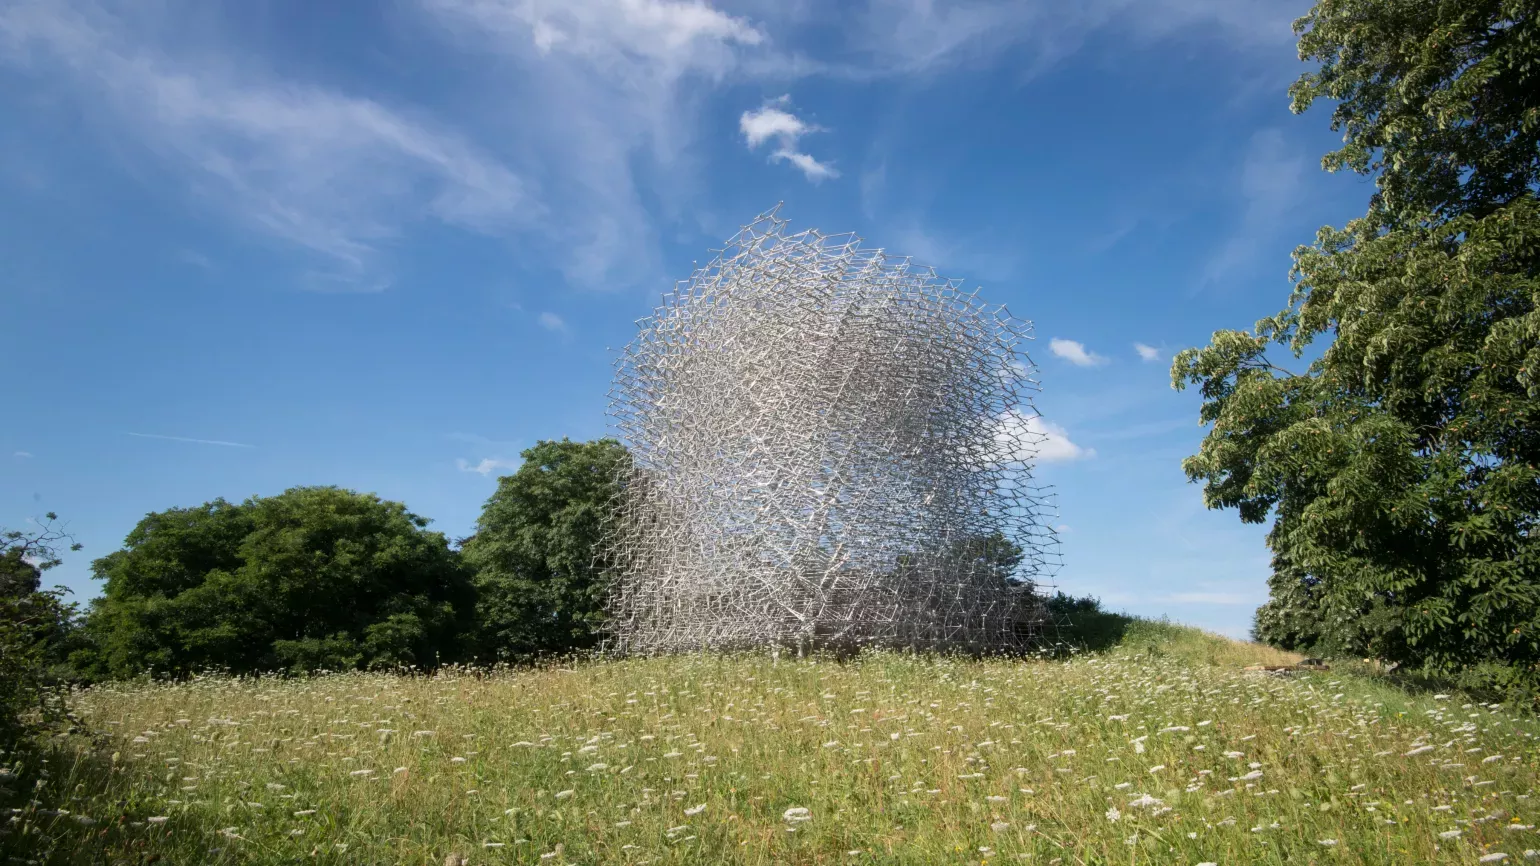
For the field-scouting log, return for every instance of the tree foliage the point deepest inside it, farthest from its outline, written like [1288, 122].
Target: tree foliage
[1436, 98]
[316, 577]
[540, 587]
[34, 625]
[1399, 468]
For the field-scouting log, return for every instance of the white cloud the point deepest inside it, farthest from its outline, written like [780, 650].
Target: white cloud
[1075, 353]
[192, 440]
[553, 322]
[1146, 352]
[1056, 446]
[487, 466]
[773, 121]
[1024, 437]
[310, 166]
[22, 454]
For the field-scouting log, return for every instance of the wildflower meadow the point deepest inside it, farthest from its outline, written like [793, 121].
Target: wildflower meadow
[1160, 750]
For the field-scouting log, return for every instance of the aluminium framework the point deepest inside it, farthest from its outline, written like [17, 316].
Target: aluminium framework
[831, 448]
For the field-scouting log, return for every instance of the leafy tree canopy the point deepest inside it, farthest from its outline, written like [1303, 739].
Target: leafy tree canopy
[1400, 468]
[316, 577]
[540, 588]
[1438, 99]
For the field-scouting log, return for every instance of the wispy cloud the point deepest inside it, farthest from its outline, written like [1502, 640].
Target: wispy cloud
[1270, 190]
[619, 85]
[487, 465]
[972, 257]
[600, 100]
[1075, 352]
[552, 322]
[23, 455]
[616, 86]
[309, 166]
[1147, 352]
[773, 121]
[903, 36]
[192, 440]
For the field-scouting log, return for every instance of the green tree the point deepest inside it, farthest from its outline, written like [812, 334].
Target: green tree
[34, 625]
[540, 586]
[1399, 467]
[316, 577]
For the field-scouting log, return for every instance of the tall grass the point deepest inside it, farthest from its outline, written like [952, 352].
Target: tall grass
[1160, 750]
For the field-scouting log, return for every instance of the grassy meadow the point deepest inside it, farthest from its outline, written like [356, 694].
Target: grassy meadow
[1157, 750]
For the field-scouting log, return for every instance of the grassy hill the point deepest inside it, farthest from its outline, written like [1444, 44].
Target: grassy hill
[1157, 749]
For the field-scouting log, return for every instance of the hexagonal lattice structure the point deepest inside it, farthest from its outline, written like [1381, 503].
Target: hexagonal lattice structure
[831, 449]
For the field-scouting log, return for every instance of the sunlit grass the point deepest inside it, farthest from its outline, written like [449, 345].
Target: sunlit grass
[1159, 751]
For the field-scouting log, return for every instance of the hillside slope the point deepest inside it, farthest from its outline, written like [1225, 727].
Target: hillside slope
[1158, 750]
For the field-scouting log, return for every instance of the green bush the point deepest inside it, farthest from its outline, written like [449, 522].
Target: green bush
[1082, 624]
[315, 578]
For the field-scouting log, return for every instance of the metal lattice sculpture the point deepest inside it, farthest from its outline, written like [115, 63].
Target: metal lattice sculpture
[831, 449]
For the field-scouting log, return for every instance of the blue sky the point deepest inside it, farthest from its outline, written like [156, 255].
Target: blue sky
[248, 246]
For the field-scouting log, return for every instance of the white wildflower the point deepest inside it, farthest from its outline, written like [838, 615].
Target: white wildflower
[695, 810]
[796, 814]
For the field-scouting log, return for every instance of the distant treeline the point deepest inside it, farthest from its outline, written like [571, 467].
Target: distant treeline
[321, 578]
